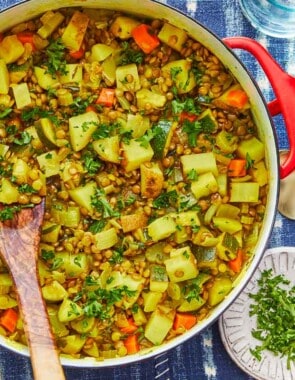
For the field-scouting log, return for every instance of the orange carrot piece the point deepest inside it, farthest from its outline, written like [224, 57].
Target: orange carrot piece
[106, 97]
[145, 38]
[91, 108]
[236, 263]
[237, 98]
[237, 167]
[183, 320]
[187, 116]
[130, 328]
[78, 54]
[131, 344]
[9, 320]
[26, 37]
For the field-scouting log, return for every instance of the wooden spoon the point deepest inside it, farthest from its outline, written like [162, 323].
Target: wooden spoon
[19, 243]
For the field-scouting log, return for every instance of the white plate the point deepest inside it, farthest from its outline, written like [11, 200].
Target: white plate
[235, 324]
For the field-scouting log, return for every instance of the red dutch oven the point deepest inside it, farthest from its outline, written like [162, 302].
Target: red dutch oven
[284, 89]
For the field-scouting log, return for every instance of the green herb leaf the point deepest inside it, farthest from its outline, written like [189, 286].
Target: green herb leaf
[166, 199]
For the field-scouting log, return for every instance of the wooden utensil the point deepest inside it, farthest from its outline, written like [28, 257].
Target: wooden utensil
[19, 242]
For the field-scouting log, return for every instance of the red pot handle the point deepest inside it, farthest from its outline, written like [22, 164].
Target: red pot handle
[284, 88]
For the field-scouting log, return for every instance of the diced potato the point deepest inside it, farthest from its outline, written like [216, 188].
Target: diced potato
[81, 128]
[4, 77]
[181, 73]
[84, 325]
[106, 239]
[173, 36]
[151, 300]
[8, 192]
[259, 173]
[134, 154]
[123, 73]
[253, 148]
[44, 79]
[204, 186]
[227, 224]
[151, 180]
[49, 163]
[192, 305]
[144, 96]
[99, 52]
[133, 221]
[158, 279]
[161, 228]
[21, 95]
[83, 195]
[74, 32]
[109, 67]
[182, 265]
[74, 265]
[51, 23]
[50, 232]
[108, 148]
[11, 49]
[74, 74]
[72, 344]
[7, 302]
[244, 192]
[123, 26]
[158, 325]
[54, 292]
[138, 124]
[20, 171]
[200, 162]
[188, 218]
[69, 310]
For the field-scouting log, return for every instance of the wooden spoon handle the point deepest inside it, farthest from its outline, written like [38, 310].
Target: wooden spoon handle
[19, 242]
[44, 355]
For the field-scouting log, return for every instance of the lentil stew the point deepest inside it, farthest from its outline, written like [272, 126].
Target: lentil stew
[155, 180]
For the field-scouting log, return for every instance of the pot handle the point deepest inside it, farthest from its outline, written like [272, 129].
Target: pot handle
[284, 88]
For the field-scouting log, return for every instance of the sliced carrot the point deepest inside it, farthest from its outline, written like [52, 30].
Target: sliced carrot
[78, 54]
[237, 98]
[131, 344]
[236, 263]
[237, 167]
[106, 97]
[26, 37]
[187, 116]
[184, 320]
[145, 38]
[9, 320]
[130, 328]
[91, 108]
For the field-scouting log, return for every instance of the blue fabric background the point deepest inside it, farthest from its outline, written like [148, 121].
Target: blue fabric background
[202, 357]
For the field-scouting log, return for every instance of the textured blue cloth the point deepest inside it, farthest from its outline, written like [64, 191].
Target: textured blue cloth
[202, 357]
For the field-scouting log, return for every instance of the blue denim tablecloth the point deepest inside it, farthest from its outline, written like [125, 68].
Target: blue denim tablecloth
[202, 357]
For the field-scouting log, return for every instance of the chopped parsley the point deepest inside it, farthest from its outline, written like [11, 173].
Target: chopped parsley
[97, 226]
[194, 128]
[129, 55]
[274, 308]
[166, 199]
[55, 54]
[24, 139]
[102, 205]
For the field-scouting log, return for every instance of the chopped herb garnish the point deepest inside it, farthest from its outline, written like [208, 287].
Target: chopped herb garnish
[55, 54]
[102, 205]
[97, 226]
[166, 199]
[274, 308]
[129, 55]
[24, 139]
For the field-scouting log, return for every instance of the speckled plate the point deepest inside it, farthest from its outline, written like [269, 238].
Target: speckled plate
[235, 324]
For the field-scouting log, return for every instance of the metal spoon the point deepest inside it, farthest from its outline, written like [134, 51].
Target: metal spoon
[19, 242]
[286, 205]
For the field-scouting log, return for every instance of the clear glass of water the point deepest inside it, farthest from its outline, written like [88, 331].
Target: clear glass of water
[275, 18]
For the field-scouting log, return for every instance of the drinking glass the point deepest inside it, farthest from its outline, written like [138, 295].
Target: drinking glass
[273, 17]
